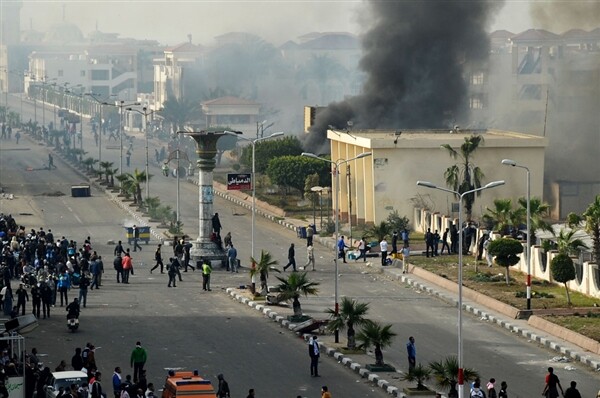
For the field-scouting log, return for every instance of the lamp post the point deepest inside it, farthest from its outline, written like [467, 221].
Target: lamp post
[317, 189]
[101, 103]
[492, 184]
[510, 162]
[253, 143]
[178, 156]
[336, 169]
[145, 112]
[121, 104]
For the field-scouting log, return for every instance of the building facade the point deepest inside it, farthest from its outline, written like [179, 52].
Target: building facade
[373, 187]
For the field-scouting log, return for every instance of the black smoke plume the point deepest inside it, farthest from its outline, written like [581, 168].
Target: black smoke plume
[414, 57]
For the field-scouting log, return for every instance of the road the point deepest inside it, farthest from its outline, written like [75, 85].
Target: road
[493, 351]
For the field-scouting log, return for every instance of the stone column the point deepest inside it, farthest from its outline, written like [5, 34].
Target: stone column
[206, 148]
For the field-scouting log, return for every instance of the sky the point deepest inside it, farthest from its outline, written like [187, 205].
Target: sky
[170, 22]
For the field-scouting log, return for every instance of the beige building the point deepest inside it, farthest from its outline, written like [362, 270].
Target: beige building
[376, 185]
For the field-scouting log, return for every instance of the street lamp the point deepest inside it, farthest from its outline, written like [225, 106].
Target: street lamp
[178, 152]
[509, 162]
[337, 219]
[317, 189]
[253, 143]
[492, 184]
[101, 103]
[121, 104]
[145, 112]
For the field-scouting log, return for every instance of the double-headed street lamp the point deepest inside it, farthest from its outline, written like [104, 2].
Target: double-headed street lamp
[145, 112]
[253, 143]
[492, 184]
[95, 97]
[510, 162]
[336, 171]
[121, 104]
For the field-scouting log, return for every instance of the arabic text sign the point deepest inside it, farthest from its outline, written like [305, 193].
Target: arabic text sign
[239, 181]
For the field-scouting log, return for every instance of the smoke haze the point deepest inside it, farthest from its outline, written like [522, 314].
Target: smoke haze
[413, 55]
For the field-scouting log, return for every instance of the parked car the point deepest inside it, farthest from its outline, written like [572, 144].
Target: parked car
[65, 379]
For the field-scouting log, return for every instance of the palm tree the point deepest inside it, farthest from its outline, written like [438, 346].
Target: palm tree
[379, 231]
[420, 374]
[592, 225]
[107, 167]
[262, 268]
[179, 112]
[127, 186]
[378, 335]
[500, 216]
[568, 244]
[538, 210]
[445, 374]
[351, 313]
[295, 285]
[152, 205]
[134, 181]
[112, 174]
[465, 176]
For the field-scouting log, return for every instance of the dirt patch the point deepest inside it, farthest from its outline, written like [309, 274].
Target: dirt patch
[52, 194]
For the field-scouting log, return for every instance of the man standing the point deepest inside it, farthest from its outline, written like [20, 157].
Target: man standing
[429, 243]
[395, 242]
[445, 242]
[412, 353]
[187, 247]
[313, 352]
[137, 361]
[158, 259]
[127, 267]
[36, 300]
[309, 235]
[223, 389]
[22, 298]
[216, 224]
[96, 387]
[454, 238]
[572, 391]
[119, 249]
[405, 258]
[116, 382]
[232, 258]
[136, 237]
[383, 246]
[84, 282]
[46, 292]
[118, 265]
[550, 390]
[206, 271]
[291, 258]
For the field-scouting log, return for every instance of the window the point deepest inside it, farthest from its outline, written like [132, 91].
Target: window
[476, 103]
[99, 75]
[477, 79]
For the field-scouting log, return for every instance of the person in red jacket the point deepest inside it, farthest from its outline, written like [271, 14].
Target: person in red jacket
[127, 267]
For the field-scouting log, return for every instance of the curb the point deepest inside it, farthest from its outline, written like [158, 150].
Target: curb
[342, 359]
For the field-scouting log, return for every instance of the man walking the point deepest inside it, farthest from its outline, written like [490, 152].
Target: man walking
[310, 257]
[138, 360]
[313, 352]
[36, 300]
[158, 259]
[173, 271]
[411, 350]
[341, 246]
[362, 248]
[291, 258]
[22, 298]
[552, 382]
[429, 243]
[445, 242]
[136, 237]
[116, 382]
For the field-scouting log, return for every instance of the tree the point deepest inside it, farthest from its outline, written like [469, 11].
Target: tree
[262, 268]
[445, 374]
[592, 225]
[465, 176]
[178, 113]
[107, 167]
[291, 171]
[312, 180]
[377, 335]
[506, 251]
[538, 210]
[269, 149]
[351, 313]
[132, 182]
[397, 223]
[563, 271]
[295, 285]
[379, 231]
[500, 216]
[420, 374]
[567, 242]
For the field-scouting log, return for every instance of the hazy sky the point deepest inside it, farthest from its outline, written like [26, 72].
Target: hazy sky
[170, 22]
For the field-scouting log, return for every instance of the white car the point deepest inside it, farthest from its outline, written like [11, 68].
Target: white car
[65, 379]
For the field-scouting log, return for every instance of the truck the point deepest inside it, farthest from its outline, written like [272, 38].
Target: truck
[187, 384]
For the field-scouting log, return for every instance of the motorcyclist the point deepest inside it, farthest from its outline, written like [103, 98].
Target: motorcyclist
[73, 309]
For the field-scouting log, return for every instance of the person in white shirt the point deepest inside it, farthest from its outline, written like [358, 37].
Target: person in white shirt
[383, 245]
[405, 257]
[362, 248]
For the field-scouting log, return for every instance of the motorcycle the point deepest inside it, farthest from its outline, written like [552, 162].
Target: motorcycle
[72, 323]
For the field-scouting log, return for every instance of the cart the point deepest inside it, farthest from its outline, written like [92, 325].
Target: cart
[144, 234]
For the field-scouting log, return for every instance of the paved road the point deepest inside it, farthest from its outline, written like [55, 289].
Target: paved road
[491, 350]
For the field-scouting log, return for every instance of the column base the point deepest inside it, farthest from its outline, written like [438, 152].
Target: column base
[210, 251]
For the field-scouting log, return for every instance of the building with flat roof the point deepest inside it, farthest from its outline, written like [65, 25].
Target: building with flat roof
[374, 186]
